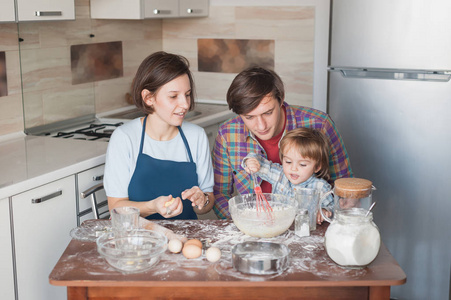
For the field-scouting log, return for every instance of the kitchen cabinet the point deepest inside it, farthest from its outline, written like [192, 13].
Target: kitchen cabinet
[85, 181]
[6, 253]
[148, 9]
[193, 8]
[7, 11]
[45, 10]
[43, 218]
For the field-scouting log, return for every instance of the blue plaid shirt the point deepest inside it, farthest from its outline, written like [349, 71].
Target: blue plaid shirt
[273, 173]
[235, 141]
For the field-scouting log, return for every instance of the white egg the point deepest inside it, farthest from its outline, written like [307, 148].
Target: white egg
[175, 246]
[213, 254]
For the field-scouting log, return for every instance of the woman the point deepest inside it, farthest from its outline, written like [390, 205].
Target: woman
[159, 163]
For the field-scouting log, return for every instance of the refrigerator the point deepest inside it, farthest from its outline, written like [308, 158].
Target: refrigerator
[389, 94]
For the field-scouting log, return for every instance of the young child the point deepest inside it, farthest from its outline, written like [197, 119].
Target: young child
[305, 164]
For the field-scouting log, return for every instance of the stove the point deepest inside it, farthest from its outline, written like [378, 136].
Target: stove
[92, 132]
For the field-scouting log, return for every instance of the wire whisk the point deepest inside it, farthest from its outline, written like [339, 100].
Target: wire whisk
[262, 204]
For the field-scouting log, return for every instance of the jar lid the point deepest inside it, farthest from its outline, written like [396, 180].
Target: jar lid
[353, 187]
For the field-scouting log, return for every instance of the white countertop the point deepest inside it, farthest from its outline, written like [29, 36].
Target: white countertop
[27, 162]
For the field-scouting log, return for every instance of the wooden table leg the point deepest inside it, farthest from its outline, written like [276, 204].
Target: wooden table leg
[77, 293]
[379, 293]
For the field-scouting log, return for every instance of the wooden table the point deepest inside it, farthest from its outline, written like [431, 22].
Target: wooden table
[311, 275]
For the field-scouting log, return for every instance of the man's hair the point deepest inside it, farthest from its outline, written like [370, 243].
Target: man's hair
[250, 87]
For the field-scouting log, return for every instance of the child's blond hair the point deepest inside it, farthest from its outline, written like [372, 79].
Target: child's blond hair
[311, 144]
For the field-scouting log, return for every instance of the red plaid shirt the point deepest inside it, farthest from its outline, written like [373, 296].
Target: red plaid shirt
[235, 141]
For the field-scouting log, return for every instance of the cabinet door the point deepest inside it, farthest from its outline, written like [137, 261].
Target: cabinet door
[193, 8]
[43, 218]
[161, 9]
[44, 10]
[7, 13]
[86, 180]
[116, 9]
[6, 253]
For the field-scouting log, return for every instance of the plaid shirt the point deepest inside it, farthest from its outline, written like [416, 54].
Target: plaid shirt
[273, 173]
[235, 141]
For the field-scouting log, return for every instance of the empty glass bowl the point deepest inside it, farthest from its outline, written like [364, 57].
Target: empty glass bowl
[134, 253]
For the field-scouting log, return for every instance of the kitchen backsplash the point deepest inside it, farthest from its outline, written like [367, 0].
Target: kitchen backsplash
[49, 94]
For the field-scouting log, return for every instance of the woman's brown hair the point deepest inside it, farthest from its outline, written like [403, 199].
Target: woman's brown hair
[155, 71]
[311, 144]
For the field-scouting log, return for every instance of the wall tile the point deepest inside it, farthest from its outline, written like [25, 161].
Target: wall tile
[11, 114]
[292, 28]
[33, 109]
[9, 37]
[219, 24]
[45, 54]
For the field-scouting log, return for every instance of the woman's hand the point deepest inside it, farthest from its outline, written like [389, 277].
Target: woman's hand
[168, 207]
[252, 165]
[196, 196]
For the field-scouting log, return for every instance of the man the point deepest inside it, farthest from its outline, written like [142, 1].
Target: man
[257, 95]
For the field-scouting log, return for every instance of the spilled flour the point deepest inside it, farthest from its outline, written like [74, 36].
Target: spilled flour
[307, 256]
[307, 253]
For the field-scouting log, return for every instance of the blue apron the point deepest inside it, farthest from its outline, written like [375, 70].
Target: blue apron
[155, 177]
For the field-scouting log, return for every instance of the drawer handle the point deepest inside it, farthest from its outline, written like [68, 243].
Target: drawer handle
[47, 13]
[47, 197]
[97, 178]
[193, 11]
[161, 12]
[92, 192]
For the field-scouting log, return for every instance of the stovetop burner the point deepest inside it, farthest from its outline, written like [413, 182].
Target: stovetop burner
[93, 132]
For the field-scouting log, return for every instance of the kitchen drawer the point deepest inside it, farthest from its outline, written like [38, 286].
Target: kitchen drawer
[86, 180]
[6, 253]
[148, 9]
[45, 10]
[7, 11]
[133, 9]
[43, 218]
[193, 8]
[157, 9]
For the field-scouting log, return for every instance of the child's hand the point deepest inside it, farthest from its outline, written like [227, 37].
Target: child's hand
[252, 165]
[319, 217]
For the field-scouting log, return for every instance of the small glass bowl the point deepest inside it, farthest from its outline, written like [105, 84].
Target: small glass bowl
[136, 252]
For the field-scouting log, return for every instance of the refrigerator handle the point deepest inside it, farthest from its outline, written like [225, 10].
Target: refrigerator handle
[393, 74]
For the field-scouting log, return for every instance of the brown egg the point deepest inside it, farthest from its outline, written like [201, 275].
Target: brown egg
[196, 242]
[191, 251]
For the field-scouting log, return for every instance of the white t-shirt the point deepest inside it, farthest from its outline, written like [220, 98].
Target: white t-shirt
[123, 150]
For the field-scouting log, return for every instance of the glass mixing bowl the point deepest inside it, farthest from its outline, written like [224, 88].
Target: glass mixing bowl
[134, 253]
[255, 223]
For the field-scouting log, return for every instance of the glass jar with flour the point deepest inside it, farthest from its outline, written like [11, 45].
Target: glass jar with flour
[352, 239]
